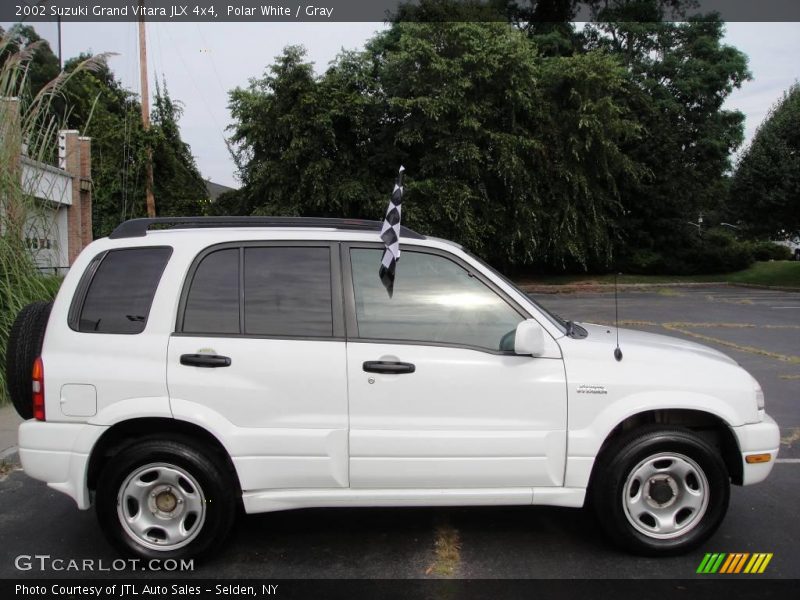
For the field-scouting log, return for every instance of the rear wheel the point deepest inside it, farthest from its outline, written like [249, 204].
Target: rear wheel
[165, 499]
[660, 491]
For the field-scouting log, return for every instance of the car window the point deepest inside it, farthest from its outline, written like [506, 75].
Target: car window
[121, 292]
[435, 300]
[287, 291]
[212, 305]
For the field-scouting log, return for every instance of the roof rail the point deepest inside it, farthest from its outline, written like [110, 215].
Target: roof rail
[139, 227]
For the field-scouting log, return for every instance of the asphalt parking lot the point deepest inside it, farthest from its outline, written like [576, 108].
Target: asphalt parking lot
[759, 328]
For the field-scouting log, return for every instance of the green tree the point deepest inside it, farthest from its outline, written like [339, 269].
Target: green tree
[179, 188]
[42, 68]
[94, 102]
[499, 143]
[680, 75]
[282, 136]
[100, 107]
[765, 191]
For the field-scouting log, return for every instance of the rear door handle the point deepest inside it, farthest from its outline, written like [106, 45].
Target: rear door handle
[209, 361]
[388, 367]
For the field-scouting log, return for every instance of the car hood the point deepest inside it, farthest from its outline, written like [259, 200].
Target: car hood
[630, 339]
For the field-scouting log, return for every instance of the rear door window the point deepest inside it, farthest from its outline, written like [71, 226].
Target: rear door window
[275, 291]
[212, 305]
[287, 291]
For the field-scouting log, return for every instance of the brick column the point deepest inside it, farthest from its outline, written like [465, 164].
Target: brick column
[69, 159]
[85, 144]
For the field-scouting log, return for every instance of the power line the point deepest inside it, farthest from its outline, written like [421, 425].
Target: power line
[199, 90]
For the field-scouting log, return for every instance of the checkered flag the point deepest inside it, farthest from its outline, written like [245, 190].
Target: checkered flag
[390, 234]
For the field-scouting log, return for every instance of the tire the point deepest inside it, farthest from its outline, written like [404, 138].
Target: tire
[23, 347]
[654, 473]
[180, 480]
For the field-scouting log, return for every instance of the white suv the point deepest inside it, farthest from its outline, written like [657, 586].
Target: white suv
[185, 372]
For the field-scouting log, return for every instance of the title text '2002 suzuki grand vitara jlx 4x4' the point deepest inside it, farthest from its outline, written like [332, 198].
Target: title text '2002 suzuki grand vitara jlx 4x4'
[184, 372]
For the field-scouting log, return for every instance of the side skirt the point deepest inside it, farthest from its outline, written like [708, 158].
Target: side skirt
[275, 500]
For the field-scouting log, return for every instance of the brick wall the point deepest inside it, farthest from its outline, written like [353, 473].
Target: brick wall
[85, 174]
[75, 157]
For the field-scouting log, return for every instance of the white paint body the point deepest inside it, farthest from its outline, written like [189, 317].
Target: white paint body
[305, 426]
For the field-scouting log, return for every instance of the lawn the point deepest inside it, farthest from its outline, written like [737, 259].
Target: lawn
[781, 273]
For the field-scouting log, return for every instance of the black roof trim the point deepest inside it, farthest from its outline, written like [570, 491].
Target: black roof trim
[139, 227]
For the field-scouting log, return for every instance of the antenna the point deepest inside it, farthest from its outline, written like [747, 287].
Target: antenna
[617, 351]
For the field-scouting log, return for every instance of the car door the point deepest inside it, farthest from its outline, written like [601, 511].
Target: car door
[437, 398]
[258, 358]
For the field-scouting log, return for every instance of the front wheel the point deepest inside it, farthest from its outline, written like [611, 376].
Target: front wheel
[165, 499]
[660, 491]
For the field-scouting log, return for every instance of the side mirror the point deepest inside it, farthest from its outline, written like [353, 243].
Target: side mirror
[529, 338]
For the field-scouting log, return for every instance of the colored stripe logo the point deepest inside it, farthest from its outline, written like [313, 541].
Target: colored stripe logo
[734, 563]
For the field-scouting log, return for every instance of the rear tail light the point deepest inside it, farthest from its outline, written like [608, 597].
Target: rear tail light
[37, 386]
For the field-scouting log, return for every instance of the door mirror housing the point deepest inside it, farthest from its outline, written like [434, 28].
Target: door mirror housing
[529, 338]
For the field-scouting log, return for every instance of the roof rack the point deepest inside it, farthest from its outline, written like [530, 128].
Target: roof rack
[139, 227]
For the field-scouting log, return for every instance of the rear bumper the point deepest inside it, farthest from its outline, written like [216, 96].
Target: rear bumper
[58, 454]
[758, 438]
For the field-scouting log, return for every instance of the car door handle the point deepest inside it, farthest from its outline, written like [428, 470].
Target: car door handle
[209, 361]
[388, 367]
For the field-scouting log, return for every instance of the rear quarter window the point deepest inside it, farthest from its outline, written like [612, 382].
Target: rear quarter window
[117, 290]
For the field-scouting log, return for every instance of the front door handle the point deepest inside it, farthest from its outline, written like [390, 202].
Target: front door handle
[208, 361]
[388, 367]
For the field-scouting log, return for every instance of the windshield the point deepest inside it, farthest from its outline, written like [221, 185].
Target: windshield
[552, 317]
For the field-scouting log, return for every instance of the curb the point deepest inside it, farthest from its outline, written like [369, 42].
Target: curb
[758, 286]
[569, 288]
[8, 452]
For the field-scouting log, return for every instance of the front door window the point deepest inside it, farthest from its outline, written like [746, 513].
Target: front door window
[435, 300]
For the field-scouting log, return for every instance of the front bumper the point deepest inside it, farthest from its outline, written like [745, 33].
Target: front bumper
[758, 438]
[58, 454]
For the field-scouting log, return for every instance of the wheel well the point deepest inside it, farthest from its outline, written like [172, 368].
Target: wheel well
[708, 426]
[123, 434]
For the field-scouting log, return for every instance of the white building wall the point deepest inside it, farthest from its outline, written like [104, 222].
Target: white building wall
[46, 229]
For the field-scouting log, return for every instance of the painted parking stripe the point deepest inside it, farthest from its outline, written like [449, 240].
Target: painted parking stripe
[790, 461]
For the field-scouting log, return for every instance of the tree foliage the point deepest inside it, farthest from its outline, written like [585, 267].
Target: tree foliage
[28, 122]
[179, 188]
[98, 105]
[94, 102]
[516, 156]
[530, 142]
[101, 108]
[765, 192]
[680, 75]
[42, 67]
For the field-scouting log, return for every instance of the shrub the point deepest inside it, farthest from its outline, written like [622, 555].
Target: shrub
[716, 252]
[37, 124]
[770, 251]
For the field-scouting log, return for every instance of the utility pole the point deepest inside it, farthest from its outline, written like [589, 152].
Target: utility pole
[150, 200]
[60, 59]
